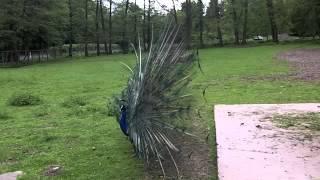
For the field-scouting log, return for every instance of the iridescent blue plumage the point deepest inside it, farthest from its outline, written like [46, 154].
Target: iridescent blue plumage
[123, 120]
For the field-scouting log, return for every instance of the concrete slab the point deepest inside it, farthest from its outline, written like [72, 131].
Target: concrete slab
[250, 147]
[10, 175]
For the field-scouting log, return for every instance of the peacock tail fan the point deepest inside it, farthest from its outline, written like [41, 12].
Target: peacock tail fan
[157, 100]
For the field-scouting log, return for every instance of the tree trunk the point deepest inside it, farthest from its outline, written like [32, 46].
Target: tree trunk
[274, 29]
[103, 28]
[188, 26]
[244, 32]
[149, 26]
[97, 28]
[86, 30]
[25, 46]
[218, 19]
[200, 23]
[110, 27]
[175, 12]
[135, 24]
[235, 22]
[144, 26]
[125, 41]
[70, 28]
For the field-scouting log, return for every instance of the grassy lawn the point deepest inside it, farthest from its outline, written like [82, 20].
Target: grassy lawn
[70, 126]
[237, 76]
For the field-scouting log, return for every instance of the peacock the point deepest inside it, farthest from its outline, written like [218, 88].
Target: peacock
[157, 99]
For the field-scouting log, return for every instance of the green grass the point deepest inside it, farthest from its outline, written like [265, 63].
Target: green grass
[236, 76]
[309, 121]
[71, 128]
[70, 122]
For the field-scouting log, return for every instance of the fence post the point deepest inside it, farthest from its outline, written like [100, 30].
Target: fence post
[28, 57]
[17, 56]
[7, 57]
[2, 58]
[39, 55]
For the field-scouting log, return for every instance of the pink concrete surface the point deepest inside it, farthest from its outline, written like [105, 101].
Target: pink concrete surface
[11, 175]
[250, 147]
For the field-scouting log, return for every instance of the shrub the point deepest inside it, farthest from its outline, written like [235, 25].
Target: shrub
[24, 99]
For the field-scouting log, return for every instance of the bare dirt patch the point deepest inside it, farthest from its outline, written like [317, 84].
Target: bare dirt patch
[251, 146]
[306, 63]
[193, 160]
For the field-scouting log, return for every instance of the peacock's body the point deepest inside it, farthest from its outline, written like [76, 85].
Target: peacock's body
[156, 98]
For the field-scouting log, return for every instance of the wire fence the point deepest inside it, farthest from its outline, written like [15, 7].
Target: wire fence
[16, 58]
[26, 57]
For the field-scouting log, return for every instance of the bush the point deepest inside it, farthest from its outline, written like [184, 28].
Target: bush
[24, 99]
[75, 101]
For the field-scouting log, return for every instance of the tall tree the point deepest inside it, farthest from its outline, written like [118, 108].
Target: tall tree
[25, 46]
[149, 25]
[135, 23]
[218, 19]
[305, 18]
[258, 18]
[144, 26]
[273, 24]
[125, 41]
[200, 6]
[245, 22]
[235, 22]
[97, 28]
[110, 26]
[175, 12]
[188, 24]
[70, 27]
[36, 24]
[103, 28]
[214, 11]
[86, 30]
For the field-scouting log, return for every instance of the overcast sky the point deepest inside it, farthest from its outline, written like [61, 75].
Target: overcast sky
[168, 3]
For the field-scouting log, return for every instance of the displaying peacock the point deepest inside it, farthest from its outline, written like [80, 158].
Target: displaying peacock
[156, 100]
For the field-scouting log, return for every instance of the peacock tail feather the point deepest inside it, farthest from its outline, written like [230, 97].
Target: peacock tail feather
[156, 99]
